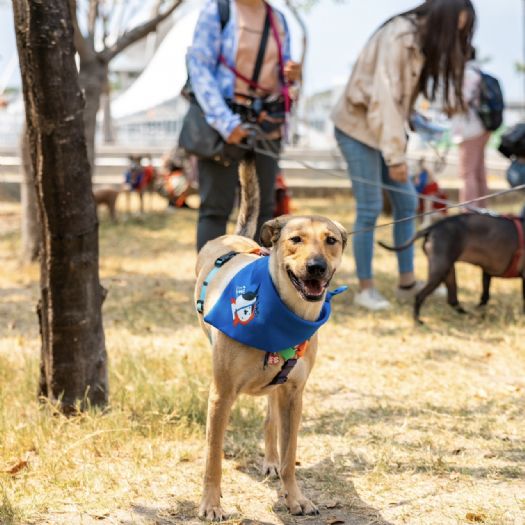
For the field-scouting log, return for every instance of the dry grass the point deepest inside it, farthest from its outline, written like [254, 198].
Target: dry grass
[401, 424]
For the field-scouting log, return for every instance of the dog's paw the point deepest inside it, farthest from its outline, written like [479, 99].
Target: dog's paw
[460, 310]
[301, 506]
[211, 512]
[270, 469]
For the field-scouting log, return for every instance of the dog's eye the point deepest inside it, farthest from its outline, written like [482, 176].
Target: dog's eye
[331, 240]
[296, 239]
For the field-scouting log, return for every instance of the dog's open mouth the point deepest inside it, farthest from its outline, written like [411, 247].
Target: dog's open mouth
[310, 289]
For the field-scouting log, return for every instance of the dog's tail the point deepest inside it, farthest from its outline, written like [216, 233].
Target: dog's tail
[250, 198]
[410, 242]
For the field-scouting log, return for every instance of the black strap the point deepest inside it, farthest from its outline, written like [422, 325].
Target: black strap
[224, 12]
[283, 374]
[262, 50]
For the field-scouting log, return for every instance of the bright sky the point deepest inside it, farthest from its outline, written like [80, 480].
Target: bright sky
[339, 29]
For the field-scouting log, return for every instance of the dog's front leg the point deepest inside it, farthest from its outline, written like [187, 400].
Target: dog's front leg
[219, 408]
[271, 455]
[290, 399]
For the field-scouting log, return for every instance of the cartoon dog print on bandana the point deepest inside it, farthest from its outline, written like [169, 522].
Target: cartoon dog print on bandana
[244, 306]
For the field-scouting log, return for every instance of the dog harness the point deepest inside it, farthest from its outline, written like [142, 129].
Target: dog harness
[514, 267]
[251, 312]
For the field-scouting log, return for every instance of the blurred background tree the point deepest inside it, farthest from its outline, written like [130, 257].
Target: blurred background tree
[103, 29]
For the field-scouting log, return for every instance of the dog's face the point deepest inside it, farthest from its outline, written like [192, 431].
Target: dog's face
[308, 251]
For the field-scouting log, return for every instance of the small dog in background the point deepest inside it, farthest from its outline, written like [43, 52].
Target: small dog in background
[107, 196]
[140, 178]
[427, 186]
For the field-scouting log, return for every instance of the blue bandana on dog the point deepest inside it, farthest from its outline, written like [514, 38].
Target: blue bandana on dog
[250, 311]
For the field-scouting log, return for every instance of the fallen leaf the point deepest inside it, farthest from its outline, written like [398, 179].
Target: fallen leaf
[17, 467]
[332, 504]
[475, 517]
[100, 516]
[334, 521]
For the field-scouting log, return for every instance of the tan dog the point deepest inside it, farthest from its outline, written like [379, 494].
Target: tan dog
[107, 196]
[306, 251]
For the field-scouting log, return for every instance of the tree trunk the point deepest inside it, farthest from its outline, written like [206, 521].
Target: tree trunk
[30, 225]
[107, 122]
[92, 77]
[74, 360]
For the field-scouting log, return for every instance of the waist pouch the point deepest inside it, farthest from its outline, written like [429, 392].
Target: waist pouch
[198, 138]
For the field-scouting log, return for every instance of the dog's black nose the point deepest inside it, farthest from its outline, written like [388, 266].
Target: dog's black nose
[316, 267]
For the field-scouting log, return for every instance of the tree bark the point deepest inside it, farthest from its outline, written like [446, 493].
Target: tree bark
[30, 226]
[74, 359]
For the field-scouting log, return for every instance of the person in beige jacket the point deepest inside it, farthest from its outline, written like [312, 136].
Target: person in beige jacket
[420, 52]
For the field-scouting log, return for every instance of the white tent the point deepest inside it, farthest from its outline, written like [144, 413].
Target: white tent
[164, 76]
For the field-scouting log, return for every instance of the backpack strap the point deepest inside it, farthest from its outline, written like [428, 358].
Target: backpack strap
[224, 12]
[261, 51]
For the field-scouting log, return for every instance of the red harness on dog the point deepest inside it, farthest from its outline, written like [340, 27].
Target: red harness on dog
[513, 270]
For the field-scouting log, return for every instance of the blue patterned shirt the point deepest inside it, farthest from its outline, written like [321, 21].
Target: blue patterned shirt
[212, 82]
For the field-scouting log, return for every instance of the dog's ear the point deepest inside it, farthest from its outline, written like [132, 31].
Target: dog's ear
[271, 231]
[342, 231]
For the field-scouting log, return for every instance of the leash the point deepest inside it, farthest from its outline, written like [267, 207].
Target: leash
[269, 151]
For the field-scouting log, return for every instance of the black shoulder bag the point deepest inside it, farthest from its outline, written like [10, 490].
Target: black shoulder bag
[197, 137]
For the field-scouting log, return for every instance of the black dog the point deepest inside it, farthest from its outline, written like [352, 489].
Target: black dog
[493, 242]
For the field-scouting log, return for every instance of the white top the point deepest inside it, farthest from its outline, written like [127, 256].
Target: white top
[468, 125]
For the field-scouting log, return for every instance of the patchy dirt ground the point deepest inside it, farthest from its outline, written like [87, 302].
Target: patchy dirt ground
[402, 425]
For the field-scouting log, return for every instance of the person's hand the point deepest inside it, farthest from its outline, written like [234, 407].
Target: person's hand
[237, 135]
[292, 71]
[398, 172]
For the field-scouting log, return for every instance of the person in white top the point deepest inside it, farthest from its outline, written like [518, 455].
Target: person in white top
[471, 136]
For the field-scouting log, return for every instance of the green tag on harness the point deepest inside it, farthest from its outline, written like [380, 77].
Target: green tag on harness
[288, 353]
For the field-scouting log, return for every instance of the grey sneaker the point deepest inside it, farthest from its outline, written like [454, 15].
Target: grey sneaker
[371, 299]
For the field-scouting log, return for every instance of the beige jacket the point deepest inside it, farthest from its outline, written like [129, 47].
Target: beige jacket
[378, 98]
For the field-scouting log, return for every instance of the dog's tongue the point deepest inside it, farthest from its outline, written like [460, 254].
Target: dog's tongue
[313, 287]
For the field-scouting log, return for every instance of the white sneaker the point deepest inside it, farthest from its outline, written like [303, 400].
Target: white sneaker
[371, 299]
[407, 295]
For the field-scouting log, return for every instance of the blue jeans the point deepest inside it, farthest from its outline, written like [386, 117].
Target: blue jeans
[367, 163]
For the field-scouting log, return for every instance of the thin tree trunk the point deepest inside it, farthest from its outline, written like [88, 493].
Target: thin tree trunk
[74, 360]
[92, 78]
[30, 226]
[107, 122]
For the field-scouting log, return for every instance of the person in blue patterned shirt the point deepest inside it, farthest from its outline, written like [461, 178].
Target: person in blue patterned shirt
[221, 62]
